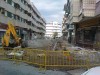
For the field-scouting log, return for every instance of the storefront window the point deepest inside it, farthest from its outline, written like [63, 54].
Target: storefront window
[80, 35]
[89, 35]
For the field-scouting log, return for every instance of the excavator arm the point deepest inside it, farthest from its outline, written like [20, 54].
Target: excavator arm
[7, 36]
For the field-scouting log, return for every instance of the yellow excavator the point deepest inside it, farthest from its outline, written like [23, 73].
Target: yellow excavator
[10, 38]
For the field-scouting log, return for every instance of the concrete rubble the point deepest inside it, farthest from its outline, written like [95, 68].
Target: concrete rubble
[60, 44]
[39, 43]
[82, 53]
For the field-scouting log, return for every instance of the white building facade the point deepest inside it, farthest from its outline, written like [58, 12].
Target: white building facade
[53, 27]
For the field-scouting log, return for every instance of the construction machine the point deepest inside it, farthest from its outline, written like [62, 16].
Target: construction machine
[10, 38]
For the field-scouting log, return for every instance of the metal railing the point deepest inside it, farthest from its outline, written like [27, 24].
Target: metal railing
[52, 59]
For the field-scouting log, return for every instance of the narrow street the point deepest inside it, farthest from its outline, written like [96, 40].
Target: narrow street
[10, 68]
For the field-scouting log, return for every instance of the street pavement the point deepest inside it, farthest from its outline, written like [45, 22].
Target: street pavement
[10, 68]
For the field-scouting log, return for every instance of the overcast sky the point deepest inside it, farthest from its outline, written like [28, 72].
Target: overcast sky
[51, 10]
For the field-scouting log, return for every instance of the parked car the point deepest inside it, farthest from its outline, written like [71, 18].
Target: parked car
[92, 71]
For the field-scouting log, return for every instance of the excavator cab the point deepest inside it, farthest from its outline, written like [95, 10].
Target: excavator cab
[11, 38]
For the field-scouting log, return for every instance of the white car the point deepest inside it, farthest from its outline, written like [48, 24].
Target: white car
[92, 71]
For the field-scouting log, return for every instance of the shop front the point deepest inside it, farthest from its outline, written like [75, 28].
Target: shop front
[88, 32]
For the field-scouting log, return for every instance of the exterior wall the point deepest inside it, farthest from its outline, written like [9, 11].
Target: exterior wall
[81, 9]
[31, 21]
[71, 15]
[53, 27]
[89, 8]
[97, 7]
[74, 11]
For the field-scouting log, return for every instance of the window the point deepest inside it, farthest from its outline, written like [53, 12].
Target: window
[1, 35]
[15, 17]
[5, 0]
[13, 4]
[5, 13]
[21, 19]
[29, 14]
[22, 1]
[9, 2]
[18, 18]
[16, 5]
[26, 12]
[24, 21]
[29, 23]
[9, 14]
[32, 24]
[25, 2]
[2, 10]
[21, 9]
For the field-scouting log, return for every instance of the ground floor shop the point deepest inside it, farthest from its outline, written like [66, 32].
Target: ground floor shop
[88, 33]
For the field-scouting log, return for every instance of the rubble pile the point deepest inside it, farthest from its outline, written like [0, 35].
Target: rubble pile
[39, 43]
[85, 54]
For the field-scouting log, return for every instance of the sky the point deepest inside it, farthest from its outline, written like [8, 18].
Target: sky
[51, 10]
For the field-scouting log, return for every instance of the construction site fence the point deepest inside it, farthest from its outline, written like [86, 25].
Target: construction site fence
[47, 59]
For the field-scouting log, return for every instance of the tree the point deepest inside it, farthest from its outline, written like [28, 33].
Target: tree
[55, 34]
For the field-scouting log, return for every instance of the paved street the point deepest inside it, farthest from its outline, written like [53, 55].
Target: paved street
[10, 68]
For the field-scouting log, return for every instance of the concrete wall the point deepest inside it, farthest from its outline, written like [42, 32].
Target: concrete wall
[89, 8]
[98, 8]
[80, 8]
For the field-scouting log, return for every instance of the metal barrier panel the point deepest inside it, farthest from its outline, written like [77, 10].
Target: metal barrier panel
[31, 56]
[65, 59]
[52, 59]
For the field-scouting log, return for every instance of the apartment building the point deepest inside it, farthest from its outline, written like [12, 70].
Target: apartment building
[53, 27]
[24, 15]
[67, 27]
[83, 15]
